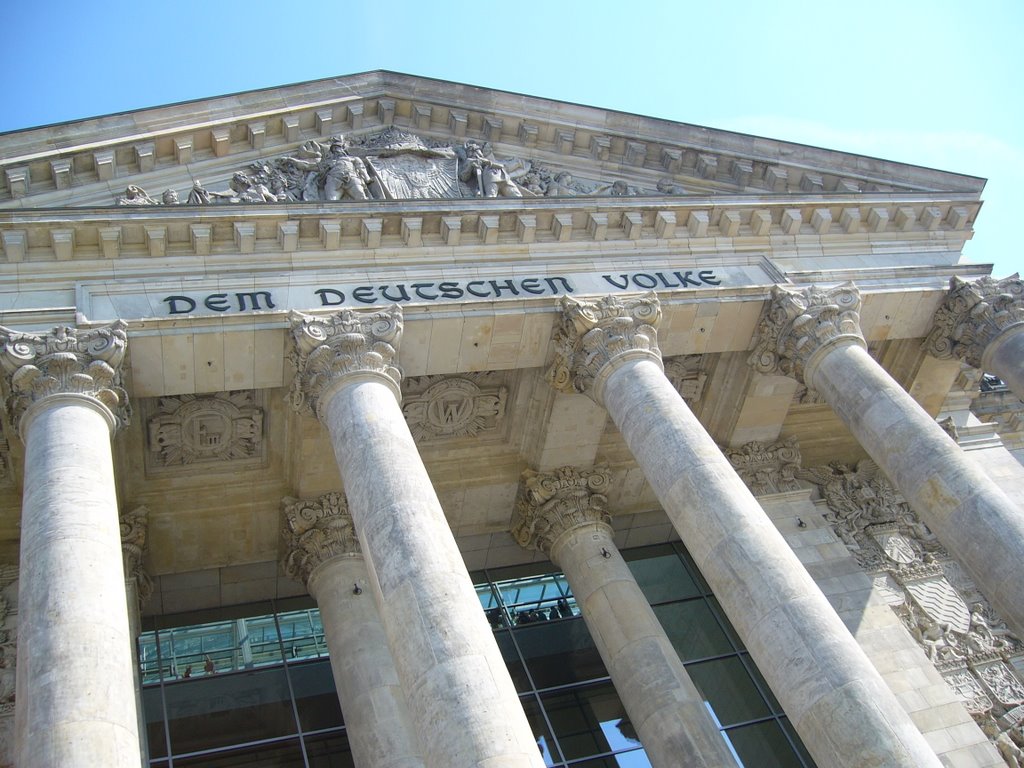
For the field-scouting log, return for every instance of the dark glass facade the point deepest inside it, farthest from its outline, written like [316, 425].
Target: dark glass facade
[255, 688]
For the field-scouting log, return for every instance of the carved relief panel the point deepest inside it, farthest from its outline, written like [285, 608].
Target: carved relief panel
[205, 429]
[443, 407]
[972, 648]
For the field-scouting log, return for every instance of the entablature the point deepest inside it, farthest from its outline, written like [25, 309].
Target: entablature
[437, 229]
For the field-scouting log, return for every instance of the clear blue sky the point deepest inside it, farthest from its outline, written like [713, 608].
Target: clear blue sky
[933, 83]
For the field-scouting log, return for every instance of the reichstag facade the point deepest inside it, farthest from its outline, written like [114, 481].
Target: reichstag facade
[393, 423]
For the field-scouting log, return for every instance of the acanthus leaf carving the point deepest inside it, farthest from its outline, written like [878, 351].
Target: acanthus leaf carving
[65, 361]
[326, 349]
[595, 333]
[798, 323]
[551, 504]
[974, 313]
[315, 531]
[767, 468]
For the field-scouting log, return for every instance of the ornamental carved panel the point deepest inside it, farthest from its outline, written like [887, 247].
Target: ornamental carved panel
[977, 655]
[205, 429]
[442, 407]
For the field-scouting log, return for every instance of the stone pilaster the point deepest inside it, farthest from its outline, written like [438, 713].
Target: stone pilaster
[807, 655]
[63, 392]
[982, 323]
[322, 551]
[564, 514]
[594, 338]
[460, 696]
[814, 335]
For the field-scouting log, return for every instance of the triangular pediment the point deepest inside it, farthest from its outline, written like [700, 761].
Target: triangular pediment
[414, 138]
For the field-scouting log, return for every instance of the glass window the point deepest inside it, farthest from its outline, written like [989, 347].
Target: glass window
[286, 755]
[316, 698]
[763, 745]
[589, 721]
[220, 710]
[693, 630]
[729, 690]
[661, 574]
[559, 653]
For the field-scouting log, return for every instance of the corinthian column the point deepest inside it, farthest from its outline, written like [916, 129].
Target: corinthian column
[564, 515]
[460, 696]
[835, 698]
[982, 323]
[322, 551]
[75, 689]
[813, 334]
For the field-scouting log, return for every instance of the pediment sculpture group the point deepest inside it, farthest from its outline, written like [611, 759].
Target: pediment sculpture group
[391, 165]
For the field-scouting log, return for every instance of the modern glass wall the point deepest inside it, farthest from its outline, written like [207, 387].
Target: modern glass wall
[255, 688]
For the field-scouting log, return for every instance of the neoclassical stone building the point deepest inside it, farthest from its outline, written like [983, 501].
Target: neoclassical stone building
[382, 421]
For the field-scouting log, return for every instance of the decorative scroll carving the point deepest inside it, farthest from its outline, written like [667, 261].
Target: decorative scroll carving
[591, 334]
[941, 607]
[134, 525]
[191, 429]
[438, 407]
[767, 468]
[799, 322]
[972, 315]
[347, 342]
[551, 504]
[687, 377]
[315, 531]
[65, 361]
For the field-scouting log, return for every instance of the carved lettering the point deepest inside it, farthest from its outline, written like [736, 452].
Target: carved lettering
[218, 302]
[403, 295]
[254, 298]
[172, 305]
[364, 293]
[327, 294]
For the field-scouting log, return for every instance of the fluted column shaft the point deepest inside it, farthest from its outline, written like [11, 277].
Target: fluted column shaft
[663, 703]
[973, 518]
[460, 695]
[322, 551]
[835, 698]
[75, 688]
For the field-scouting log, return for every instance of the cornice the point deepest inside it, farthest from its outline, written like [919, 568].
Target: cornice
[695, 222]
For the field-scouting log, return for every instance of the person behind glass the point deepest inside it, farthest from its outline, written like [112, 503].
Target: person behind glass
[208, 666]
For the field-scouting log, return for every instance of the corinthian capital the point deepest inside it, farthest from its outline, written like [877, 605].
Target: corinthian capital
[327, 349]
[315, 531]
[594, 337]
[551, 504]
[800, 322]
[65, 361]
[972, 315]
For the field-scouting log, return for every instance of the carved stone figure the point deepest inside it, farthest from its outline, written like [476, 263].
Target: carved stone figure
[488, 177]
[169, 197]
[135, 195]
[244, 188]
